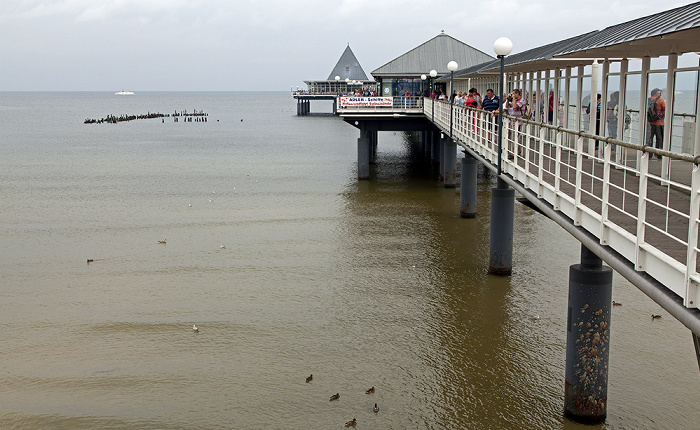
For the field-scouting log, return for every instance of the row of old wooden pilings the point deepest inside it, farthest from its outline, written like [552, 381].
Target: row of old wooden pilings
[197, 116]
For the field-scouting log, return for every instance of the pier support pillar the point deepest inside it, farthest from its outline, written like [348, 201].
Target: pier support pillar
[467, 195]
[450, 164]
[427, 148]
[501, 241]
[435, 147]
[588, 339]
[372, 135]
[443, 151]
[298, 107]
[363, 151]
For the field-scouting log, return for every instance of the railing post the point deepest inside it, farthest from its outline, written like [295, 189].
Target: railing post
[577, 191]
[567, 101]
[606, 194]
[643, 96]
[639, 263]
[668, 122]
[593, 109]
[622, 111]
[557, 170]
[691, 288]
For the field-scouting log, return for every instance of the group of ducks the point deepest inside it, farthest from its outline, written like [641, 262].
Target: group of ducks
[336, 396]
[653, 316]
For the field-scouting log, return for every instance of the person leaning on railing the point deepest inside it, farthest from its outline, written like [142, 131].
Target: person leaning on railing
[490, 104]
[515, 106]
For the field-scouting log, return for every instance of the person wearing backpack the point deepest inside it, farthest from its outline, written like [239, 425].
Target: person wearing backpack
[656, 112]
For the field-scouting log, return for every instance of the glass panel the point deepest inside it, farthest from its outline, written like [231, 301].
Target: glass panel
[689, 59]
[585, 103]
[684, 114]
[634, 65]
[659, 63]
[614, 67]
[632, 98]
[654, 135]
[573, 121]
[611, 107]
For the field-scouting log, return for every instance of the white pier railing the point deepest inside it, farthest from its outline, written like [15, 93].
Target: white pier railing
[646, 210]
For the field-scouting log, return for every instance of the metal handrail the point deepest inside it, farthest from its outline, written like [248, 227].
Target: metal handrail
[587, 184]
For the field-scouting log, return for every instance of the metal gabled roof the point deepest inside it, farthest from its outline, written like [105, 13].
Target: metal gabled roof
[433, 54]
[672, 31]
[348, 67]
[522, 60]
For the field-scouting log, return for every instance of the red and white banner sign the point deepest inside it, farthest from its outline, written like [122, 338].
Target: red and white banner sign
[366, 101]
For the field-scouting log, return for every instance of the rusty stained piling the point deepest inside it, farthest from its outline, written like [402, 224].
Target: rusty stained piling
[467, 195]
[501, 240]
[588, 339]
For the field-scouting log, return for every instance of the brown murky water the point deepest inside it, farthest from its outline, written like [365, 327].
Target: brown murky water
[377, 283]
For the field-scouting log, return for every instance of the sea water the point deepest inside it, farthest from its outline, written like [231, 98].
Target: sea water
[289, 267]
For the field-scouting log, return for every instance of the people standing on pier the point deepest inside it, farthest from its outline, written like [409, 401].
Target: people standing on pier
[477, 97]
[515, 106]
[611, 114]
[490, 104]
[656, 113]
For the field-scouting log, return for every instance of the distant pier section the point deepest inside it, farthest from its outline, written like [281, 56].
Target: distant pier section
[346, 77]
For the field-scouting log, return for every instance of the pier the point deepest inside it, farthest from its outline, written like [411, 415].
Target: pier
[637, 214]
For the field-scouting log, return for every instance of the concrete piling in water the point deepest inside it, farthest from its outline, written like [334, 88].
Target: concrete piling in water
[374, 142]
[588, 339]
[450, 164]
[467, 195]
[441, 156]
[435, 147]
[427, 149]
[363, 149]
[501, 241]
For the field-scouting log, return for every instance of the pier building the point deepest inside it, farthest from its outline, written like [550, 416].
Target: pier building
[411, 71]
[631, 205]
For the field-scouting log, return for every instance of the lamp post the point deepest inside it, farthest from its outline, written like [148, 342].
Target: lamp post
[451, 66]
[337, 84]
[433, 74]
[502, 47]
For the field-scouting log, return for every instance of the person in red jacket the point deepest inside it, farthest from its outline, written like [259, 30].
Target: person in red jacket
[656, 112]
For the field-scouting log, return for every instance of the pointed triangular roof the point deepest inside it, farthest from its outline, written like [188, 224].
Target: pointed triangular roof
[433, 54]
[348, 67]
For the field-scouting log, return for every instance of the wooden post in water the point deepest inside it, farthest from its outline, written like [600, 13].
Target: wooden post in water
[588, 339]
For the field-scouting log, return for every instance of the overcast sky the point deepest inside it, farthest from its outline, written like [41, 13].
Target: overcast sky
[235, 45]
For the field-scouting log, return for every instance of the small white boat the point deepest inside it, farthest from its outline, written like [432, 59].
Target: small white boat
[123, 93]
